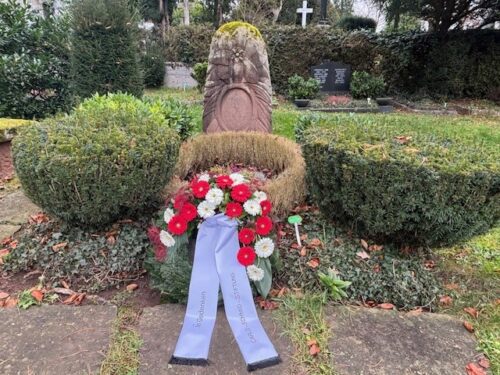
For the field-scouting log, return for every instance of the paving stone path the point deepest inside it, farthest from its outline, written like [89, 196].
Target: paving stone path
[15, 209]
[62, 340]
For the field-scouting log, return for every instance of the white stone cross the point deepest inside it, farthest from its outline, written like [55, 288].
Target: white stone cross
[304, 10]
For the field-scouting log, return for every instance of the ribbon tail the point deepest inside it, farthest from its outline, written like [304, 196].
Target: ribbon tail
[194, 340]
[254, 344]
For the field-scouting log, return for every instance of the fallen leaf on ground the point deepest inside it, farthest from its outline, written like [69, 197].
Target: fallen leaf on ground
[468, 326]
[37, 294]
[471, 311]
[74, 299]
[111, 240]
[59, 246]
[375, 248]
[451, 286]
[10, 302]
[294, 245]
[415, 312]
[445, 300]
[38, 218]
[268, 304]
[65, 291]
[314, 350]
[79, 298]
[313, 263]
[376, 268]
[484, 362]
[303, 237]
[3, 253]
[473, 369]
[65, 284]
[315, 242]
[132, 287]
[387, 306]
[303, 251]
[402, 139]
[3, 295]
[429, 264]
[363, 255]
[364, 244]
[312, 342]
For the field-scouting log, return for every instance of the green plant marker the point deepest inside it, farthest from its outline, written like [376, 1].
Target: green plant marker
[296, 220]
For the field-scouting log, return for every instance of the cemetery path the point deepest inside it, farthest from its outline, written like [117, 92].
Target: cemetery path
[15, 210]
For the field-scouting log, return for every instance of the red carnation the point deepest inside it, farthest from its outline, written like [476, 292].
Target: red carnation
[246, 236]
[154, 235]
[224, 181]
[233, 209]
[188, 212]
[177, 225]
[266, 207]
[160, 252]
[246, 256]
[241, 193]
[263, 225]
[200, 188]
[179, 200]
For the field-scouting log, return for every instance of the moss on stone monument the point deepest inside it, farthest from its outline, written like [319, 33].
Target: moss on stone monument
[231, 27]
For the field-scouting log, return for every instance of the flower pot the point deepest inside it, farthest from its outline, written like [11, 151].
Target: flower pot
[384, 101]
[301, 103]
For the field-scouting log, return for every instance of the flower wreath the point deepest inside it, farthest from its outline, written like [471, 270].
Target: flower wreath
[233, 195]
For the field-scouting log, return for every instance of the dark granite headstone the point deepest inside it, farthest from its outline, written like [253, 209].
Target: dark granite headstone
[332, 76]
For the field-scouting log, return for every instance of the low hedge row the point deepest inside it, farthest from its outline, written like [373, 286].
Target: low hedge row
[420, 180]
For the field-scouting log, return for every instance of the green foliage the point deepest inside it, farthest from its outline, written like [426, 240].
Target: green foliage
[386, 276]
[108, 159]
[335, 287]
[104, 48]
[303, 123]
[178, 115]
[26, 300]
[413, 180]
[299, 88]
[33, 63]
[364, 85]
[152, 61]
[89, 259]
[351, 23]
[200, 74]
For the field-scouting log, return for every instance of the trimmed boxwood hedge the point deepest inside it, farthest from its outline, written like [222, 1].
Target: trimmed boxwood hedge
[108, 159]
[419, 180]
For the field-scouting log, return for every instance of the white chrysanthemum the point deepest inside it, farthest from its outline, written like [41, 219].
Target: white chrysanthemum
[255, 273]
[260, 196]
[167, 239]
[168, 214]
[252, 207]
[237, 178]
[264, 247]
[204, 177]
[206, 209]
[215, 196]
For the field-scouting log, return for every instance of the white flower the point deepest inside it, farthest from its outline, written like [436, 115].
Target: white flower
[237, 178]
[252, 207]
[206, 209]
[215, 196]
[260, 196]
[167, 239]
[264, 247]
[204, 177]
[167, 216]
[255, 273]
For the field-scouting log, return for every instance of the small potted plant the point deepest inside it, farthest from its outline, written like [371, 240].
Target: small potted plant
[301, 91]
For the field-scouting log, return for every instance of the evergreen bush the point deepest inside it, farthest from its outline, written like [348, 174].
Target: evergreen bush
[351, 23]
[152, 62]
[300, 88]
[364, 85]
[108, 159]
[105, 48]
[419, 180]
[200, 74]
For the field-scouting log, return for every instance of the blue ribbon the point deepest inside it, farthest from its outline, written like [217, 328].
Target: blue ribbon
[215, 262]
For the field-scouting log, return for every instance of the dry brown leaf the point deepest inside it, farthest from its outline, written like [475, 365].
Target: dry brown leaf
[10, 302]
[429, 264]
[294, 245]
[59, 246]
[132, 287]
[268, 304]
[70, 299]
[312, 342]
[376, 268]
[37, 294]
[65, 291]
[314, 350]
[79, 298]
[111, 240]
[3, 295]
[303, 251]
[364, 244]
[471, 311]
[402, 139]
[363, 255]
[451, 286]
[484, 362]
[303, 237]
[64, 284]
[315, 242]
[445, 300]
[473, 369]
[415, 312]
[468, 326]
[375, 247]
[386, 306]
[313, 263]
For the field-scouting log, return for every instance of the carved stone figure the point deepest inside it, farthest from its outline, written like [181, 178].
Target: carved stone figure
[238, 86]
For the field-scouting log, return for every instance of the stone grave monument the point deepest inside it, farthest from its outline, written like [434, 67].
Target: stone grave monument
[238, 86]
[333, 77]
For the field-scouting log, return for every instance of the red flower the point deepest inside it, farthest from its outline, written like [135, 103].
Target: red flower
[266, 207]
[179, 200]
[177, 225]
[241, 193]
[200, 188]
[263, 225]
[154, 235]
[233, 209]
[246, 256]
[246, 236]
[160, 252]
[188, 212]
[224, 181]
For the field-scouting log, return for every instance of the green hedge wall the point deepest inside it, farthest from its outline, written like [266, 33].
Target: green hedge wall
[465, 64]
[419, 181]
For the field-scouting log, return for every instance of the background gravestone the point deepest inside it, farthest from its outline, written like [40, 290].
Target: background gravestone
[332, 76]
[238, 86]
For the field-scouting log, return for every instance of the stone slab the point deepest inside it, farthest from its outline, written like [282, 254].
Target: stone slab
[54, 340]
[375, 342]
[178, 75]
[16, 208]
[7, 230]
[160, 326]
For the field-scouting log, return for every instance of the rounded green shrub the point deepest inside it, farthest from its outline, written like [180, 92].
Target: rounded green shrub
[108, 159]
[200, 74]
[414, 179]
[300, 88]
[351, 23]
[364, 85]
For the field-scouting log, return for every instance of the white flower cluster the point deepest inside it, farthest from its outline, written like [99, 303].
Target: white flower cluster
[264, 247]
[255, 273]
[167, 239]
